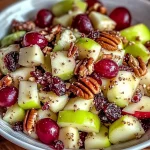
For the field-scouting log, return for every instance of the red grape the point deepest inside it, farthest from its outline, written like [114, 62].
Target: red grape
[47, 130]
[8, 96]
[106, 68]
[33, 38]
[44, 18]
[122, 17]
[82, 23]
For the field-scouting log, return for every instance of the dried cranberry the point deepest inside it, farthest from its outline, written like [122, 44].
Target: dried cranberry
[97, 77]
[45, 106]
[145, 124]
[82, 23]
[57, 145]
[11, 61]
[58, 86]
[49, 82]
[125, 68]
[18, 126]
[126, 57]
[112, 111]
[103, 117]
[94, 35]
[106, 68]
[82, 139]
[100, 101]
[136, 97]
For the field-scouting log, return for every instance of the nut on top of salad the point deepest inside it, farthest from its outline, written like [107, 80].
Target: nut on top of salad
[77, 77]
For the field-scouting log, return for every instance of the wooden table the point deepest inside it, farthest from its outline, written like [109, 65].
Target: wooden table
[4, 144]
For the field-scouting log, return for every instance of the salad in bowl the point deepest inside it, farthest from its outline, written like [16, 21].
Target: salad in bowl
[76, 76]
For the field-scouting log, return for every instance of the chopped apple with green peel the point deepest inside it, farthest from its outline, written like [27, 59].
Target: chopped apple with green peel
[105, 85]
[139, 32]
[41, 114]
[14, 114]
[97, 140]
[83, 120]
[58, 9]
[145, 82]
[63, 40]
[11, 38]
[31, 56]
[56, 103]
[101, 22]
[21, 74]
[78, 103]
[66, 20]
[28, 95]
[3, 53]
[47, 63]
[122, 88]
[142, 106]
[128, 127]
[93, 110]
[88, 48]
[62, 66]
[70, 137]
[117, 56]
[138, 49]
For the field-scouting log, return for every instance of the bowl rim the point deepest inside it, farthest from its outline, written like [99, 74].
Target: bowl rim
[29, 146]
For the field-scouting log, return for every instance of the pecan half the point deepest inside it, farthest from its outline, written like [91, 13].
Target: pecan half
[84, 67]
[73, 50]
[85, 88]
[29, 121]
[108, 41]
[147, 45]
[47, 50]
[99, 8]
[22, 26]
[138, 65]
[53, 32]
[5, 81]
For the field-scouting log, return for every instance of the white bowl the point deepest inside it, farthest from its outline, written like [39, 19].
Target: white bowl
[26, 9]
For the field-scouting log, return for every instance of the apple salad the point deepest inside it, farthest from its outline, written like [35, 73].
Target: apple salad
[77, 77]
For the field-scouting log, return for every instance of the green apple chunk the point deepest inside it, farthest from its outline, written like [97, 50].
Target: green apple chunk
[58, 9]
[93, 110]
[101, 22]
[55, 102]
[128, 127]
[31, 56]
[63, 40]
[88, 48]
[14, 114]
[70, 137]
[105, 86]
[21, 74]
[139, 32]
[83, 120]
[3, 53]
[28, 95]
[47, 64]
[97, 140]
[11, 38]
[66, 20]
[138, 49]
[62, 66]
[78, 103]
[41, 114]
[122, 88]
[117, 55]
[145, 82]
